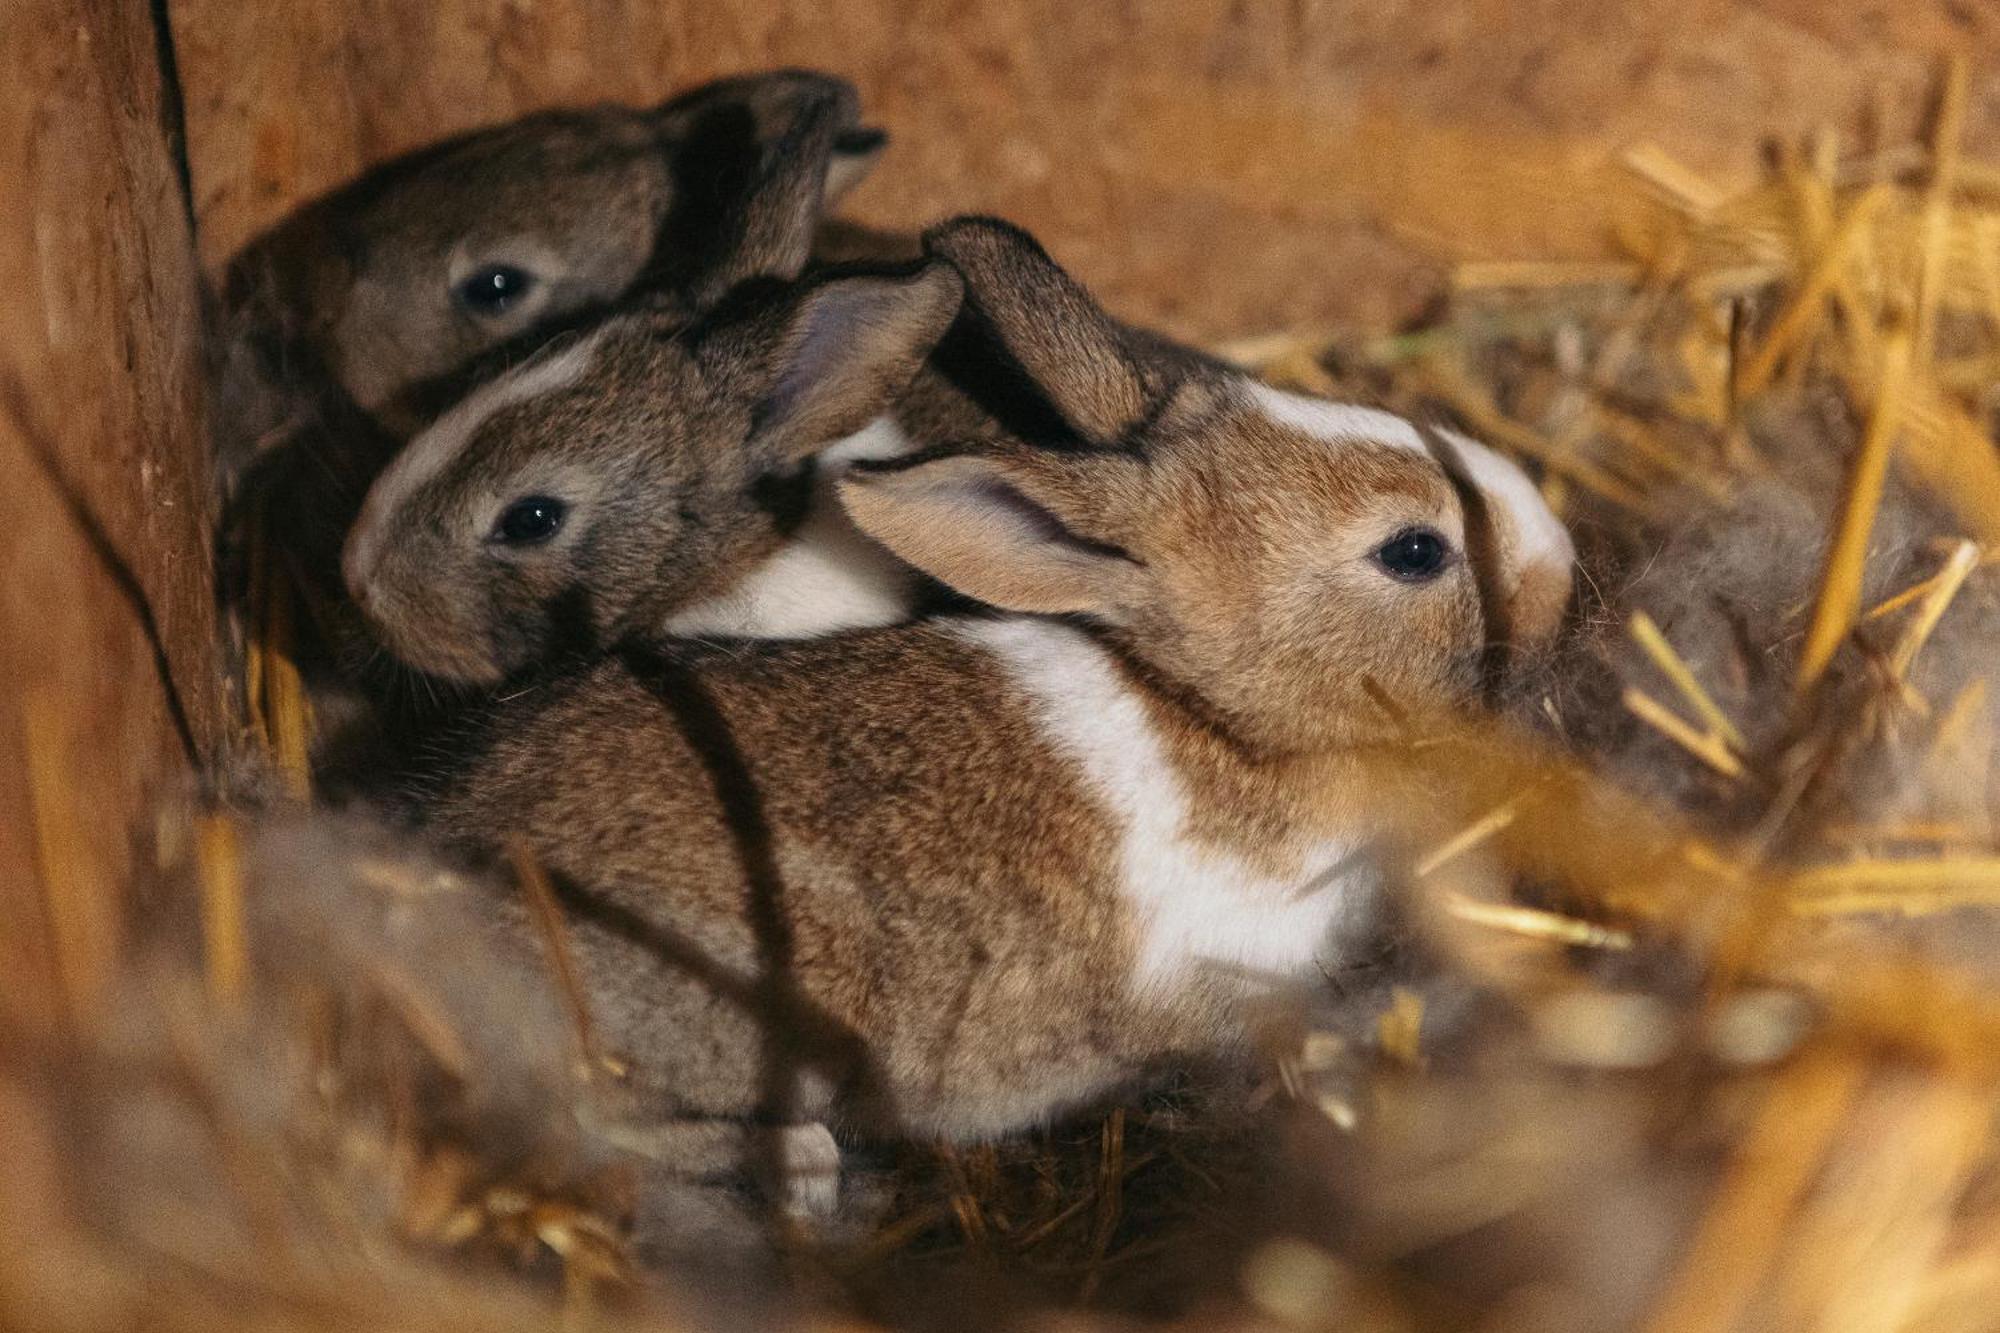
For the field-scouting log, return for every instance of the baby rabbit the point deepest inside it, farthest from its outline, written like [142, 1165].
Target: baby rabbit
[647, 474]
[950, 878]
[392, 286]
[727, 186]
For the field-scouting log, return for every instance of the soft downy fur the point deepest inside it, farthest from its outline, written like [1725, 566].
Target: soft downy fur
[1731, 584]
[385, 1084]
[957, 877]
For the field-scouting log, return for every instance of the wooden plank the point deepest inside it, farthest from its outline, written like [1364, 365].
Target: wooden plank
[1218, 167]
[104, 559]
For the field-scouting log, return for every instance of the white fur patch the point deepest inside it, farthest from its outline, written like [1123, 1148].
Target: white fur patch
[1193, 906]
[1539, 535]
[1336, 423]
[434, 448]
[879, 439]
[829, 577]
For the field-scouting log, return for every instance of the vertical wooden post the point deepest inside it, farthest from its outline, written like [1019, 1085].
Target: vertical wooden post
[109, 695]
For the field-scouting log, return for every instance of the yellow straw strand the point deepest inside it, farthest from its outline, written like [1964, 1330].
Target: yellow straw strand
[1461, 843]
[1535, 923]
[1964, 559]
[1839, 601]
[224, 934]
[1937, 204]
[1741, 1234]
[1792, 325]
[1710, 749]
[1675, 668]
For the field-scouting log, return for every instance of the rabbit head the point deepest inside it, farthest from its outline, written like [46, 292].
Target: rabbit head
[393, 286]
[635, 469]
[1284, 560]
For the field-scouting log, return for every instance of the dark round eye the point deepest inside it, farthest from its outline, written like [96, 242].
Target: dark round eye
[494, 289]
[1414, 554]
[529, 522]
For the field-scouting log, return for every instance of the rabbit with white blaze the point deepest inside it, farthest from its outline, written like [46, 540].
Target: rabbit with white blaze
[641, 470]
[953, 877]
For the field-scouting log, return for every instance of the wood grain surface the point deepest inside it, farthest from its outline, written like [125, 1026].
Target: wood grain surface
[1220, 167]
[108, 679]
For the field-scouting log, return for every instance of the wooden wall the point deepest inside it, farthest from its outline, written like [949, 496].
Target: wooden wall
[1218, 166]
[108, 682]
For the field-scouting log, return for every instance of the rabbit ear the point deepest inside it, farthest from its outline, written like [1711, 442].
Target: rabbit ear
[855, 153]
[773, 105]
[834, 357]
[989, 527]
[752, 162]
[771, 233]
[1024, 312]
[770, 101]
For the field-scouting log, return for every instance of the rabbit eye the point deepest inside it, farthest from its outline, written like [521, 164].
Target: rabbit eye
[1414, 554]
[494, 289]
[530, 522]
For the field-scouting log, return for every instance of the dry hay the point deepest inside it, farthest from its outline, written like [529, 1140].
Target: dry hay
[1688, 1019]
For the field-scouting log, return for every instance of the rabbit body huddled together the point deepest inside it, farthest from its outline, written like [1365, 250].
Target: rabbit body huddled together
[930, 696]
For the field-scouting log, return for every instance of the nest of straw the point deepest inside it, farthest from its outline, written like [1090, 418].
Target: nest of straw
[1688, 1018]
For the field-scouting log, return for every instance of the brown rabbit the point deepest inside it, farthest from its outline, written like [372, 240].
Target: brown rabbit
[951, 878]
[643, 469]
[392, 286]
[614, 488]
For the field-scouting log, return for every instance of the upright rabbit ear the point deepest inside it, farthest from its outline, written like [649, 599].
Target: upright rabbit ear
[771, 100]
[834, 356]
[991, 527]
[771, 103]
[1025, 312]
[771, 232]
[752, 161]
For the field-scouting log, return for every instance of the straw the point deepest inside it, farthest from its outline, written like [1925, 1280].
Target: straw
[1805, 307]
[1839, 601]
[1964, 558]
[548, 917]
[1708, 747]
[1937, 205]
[1647, 635]
[224, 934]
[1744, 1229]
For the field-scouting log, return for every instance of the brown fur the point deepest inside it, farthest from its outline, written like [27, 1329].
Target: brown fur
[683, 457]
[358, 285]
[347, 333]
[723, 825]
[854, 878]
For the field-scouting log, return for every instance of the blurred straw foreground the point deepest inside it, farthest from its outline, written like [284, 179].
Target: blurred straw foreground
[1690, 1016]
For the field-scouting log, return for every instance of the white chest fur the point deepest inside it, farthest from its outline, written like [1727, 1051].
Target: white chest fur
[1193, 906]
[827, 578]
